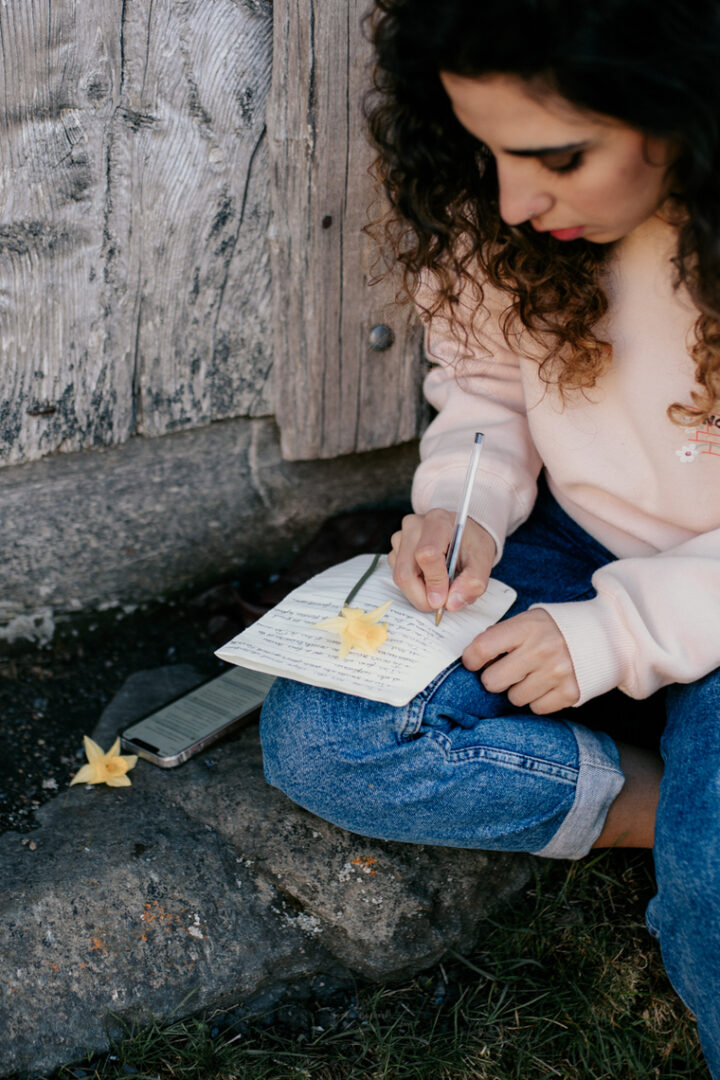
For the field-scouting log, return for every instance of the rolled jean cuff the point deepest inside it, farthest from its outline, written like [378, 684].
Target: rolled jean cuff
[599, 782]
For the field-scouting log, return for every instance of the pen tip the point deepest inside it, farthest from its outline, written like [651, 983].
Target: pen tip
[438, 616]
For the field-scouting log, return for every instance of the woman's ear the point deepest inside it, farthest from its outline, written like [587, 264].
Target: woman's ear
[662, 153]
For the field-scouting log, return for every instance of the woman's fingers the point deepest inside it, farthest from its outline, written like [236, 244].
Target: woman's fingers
[477, 555]
[431, 555]
[508, 671]
[533, 688]
[527, 657]
[418, 554]
[418, 561]
[556, 699]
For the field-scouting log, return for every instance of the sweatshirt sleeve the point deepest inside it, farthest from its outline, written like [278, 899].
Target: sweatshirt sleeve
[655, 620]
[476, 386]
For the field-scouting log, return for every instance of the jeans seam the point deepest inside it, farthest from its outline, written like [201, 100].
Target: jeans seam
[521, 763]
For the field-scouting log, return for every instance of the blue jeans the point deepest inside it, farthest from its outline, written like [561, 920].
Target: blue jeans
[459, 766]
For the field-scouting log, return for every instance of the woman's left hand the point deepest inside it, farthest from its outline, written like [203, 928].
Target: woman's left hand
[526, 656]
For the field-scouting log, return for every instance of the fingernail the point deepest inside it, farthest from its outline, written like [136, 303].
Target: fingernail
[455, 601]
[434, 599]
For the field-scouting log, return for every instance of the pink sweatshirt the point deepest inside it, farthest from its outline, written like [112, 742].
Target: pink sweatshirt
[646, 488]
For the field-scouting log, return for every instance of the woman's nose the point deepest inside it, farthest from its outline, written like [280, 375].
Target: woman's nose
[521, 198]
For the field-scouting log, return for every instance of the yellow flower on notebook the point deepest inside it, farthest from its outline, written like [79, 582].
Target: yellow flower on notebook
[358, 629]
[105, 768]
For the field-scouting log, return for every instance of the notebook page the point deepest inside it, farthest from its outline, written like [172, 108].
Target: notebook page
[285, 641]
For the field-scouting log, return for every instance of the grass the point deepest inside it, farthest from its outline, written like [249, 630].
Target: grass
[565, 983]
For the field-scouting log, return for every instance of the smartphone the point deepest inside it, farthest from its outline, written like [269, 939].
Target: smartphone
[172, 734]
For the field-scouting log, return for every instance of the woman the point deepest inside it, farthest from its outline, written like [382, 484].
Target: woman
[552, 168]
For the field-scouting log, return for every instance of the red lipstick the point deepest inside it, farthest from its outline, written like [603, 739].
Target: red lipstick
[568, 234]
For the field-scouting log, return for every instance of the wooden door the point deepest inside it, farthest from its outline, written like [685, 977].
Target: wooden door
[334, 393]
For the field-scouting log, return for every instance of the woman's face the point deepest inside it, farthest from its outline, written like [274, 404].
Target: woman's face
[567, 172]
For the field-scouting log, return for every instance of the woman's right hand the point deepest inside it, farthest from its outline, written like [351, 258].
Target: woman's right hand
[418, 561]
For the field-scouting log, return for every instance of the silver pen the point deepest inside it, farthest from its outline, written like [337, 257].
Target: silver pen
[453, 552]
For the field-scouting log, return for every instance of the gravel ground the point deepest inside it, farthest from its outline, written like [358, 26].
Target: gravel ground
[51, 697]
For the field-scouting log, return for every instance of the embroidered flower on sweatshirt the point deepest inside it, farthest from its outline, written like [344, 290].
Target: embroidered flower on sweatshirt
[701, 440]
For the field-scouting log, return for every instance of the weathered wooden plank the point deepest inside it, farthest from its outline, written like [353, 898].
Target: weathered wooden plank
[187, 232]
[134, 262]
[60, 386]
[333, 393]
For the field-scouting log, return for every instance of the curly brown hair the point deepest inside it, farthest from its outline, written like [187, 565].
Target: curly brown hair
[653, 64]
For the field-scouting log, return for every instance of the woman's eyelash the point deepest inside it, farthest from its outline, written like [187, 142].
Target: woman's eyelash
[567, 166]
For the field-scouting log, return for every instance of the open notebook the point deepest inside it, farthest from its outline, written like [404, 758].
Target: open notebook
[285, 641]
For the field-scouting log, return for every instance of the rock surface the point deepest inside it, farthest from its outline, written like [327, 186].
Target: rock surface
[203, 887]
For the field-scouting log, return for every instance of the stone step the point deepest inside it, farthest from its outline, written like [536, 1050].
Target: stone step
[202, 887]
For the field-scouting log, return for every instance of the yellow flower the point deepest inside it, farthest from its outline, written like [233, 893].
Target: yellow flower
[105, 768]
[358, 629]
